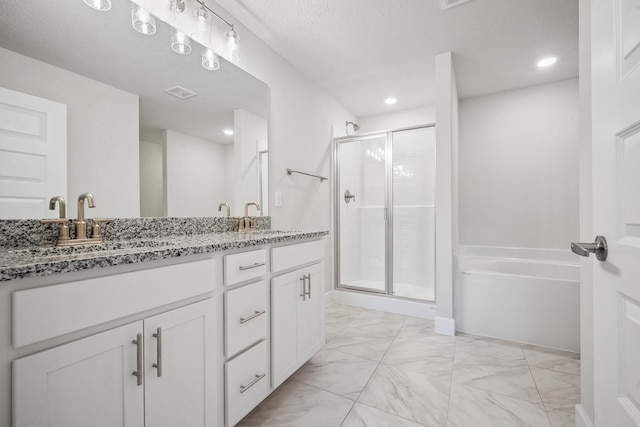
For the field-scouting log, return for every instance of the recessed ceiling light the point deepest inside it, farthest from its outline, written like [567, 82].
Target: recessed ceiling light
[390, 101]
[228, 131]
[546, 62]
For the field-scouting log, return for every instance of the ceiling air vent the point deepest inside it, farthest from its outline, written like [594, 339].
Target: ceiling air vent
[180, 92]
[447, 4]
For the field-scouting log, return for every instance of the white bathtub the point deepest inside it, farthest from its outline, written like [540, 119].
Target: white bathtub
[519, 294]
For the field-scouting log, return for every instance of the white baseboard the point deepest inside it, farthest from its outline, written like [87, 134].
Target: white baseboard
[582, 418]
[384, 303]
[445, 326]
[328, 297]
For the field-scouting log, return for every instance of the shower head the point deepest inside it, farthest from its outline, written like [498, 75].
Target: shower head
[355, 127]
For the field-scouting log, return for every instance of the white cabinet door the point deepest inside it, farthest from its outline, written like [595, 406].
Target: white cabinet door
[312, 314]
[297, 301]
[180, 390]
[286, 290]
[85, 382]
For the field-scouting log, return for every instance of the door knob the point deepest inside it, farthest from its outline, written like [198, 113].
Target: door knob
[598, 247]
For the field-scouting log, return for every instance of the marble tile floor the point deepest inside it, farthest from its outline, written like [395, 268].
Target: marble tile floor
[386, 370]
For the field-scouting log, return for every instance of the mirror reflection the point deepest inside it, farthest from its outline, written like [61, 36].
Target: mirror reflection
[149, 132]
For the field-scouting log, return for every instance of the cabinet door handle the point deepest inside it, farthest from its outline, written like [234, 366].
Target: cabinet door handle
[309, 281]
[138, 372]
[257, 378]
[248, 267]
[158, 337]
[304, 288]
[253, 316]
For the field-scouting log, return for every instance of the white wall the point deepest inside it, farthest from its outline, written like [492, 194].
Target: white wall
[97, 116]
[397, 119]
[519, 167]
[194, 175]
[250, 134]
[446, 191]
[151, 186]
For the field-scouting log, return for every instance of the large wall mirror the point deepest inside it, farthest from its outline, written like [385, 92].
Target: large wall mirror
[139, 149]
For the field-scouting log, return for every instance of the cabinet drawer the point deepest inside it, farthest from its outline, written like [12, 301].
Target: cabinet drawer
[247, 382]
[286, 257]
[51, 311]
[246, 317]
[244, 266]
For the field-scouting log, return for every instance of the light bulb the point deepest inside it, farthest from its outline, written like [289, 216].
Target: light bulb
[142, 21]
[180, 43]
[232, 45]
[390, 101]
[210, 60]
[101, 5]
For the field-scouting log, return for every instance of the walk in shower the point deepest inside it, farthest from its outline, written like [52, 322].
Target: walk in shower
[385, 212]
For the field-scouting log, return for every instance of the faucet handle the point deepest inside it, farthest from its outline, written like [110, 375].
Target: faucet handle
[63, 231]
[96, 230]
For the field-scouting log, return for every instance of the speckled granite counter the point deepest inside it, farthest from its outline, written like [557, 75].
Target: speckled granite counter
[18, 263]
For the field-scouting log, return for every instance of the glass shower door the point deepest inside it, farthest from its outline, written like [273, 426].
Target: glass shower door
[361, 213]
[413, 176]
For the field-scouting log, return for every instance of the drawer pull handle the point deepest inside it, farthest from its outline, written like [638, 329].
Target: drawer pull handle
[253, 316]
[304, 288]
[309, 282]
[258, 377]
[158, 366]
[138, 372]
[248, 267]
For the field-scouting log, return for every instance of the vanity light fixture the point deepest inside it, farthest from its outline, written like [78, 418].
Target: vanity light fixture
[210, 60]
[228, 131]
[180, 43]
[546, 62]
[390, 101]
[101, 5]
[233, 49]
[142, 21]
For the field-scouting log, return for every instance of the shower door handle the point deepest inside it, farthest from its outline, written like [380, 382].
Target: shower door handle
[348, 197]
[598, 247]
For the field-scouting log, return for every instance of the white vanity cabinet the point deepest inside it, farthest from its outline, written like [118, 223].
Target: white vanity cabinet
[297, 303]
[157, 371]
[92, 382]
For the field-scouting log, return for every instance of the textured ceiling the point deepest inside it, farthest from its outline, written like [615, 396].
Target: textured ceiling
[362, 51]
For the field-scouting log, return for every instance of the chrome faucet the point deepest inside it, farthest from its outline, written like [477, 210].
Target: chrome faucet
[223, 205]
[81, 224]
[247, 223]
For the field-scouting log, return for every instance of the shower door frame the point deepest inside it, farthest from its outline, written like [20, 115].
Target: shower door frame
[388, 209]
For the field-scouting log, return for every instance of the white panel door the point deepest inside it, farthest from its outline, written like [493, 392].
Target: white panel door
[181, 389]
[615, 67]
[88, 382]
[33, 154]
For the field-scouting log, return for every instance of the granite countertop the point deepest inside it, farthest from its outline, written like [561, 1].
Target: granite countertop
[19, 263]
